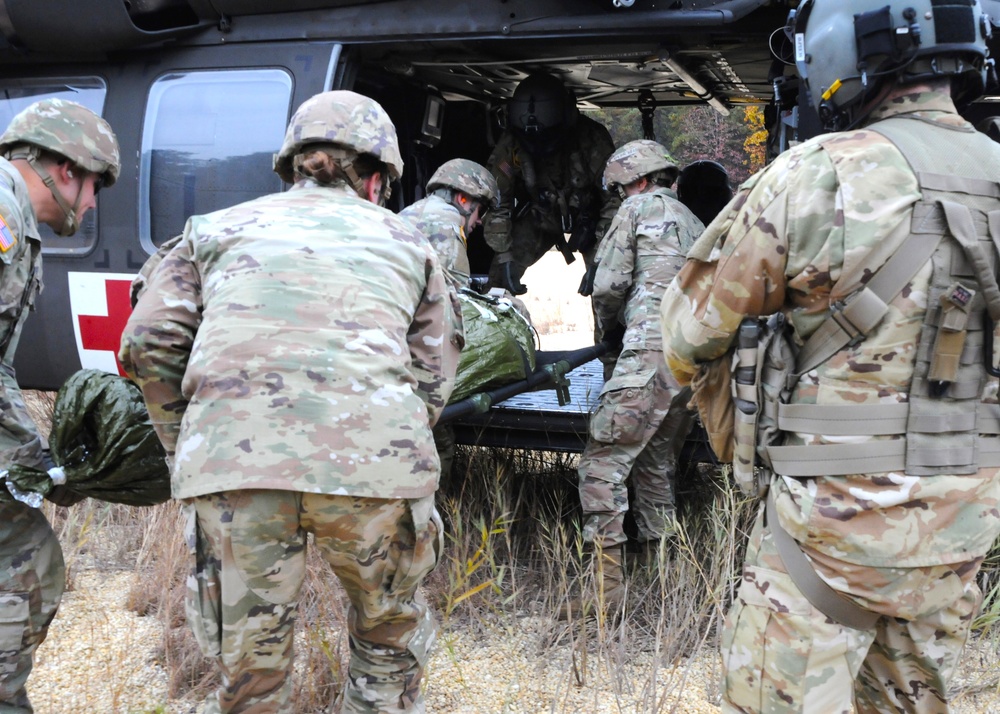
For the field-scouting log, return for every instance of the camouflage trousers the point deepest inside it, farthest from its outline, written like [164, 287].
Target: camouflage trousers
[781, 655]
[249, 563]
[636, 435]
[32, 579]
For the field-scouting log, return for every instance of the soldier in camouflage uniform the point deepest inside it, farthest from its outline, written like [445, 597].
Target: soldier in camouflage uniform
[548, 167]
[56, 157]
[294, 352]
[801, 238]
[640, 424]
[459, 195]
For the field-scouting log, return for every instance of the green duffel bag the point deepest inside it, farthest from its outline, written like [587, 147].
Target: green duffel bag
[103, 441]
[499, 345]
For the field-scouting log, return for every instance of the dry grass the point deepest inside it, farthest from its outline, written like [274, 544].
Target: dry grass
[513, 557]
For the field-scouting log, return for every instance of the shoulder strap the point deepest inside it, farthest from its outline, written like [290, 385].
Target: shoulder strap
[853, 318]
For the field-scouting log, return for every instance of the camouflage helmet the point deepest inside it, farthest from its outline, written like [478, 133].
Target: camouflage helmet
[347, 119]
[636, 159]
[67, 129]
[468, 177]
[845, 50]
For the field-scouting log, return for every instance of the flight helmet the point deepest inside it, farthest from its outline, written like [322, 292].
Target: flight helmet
[845, 49]
[703, 186]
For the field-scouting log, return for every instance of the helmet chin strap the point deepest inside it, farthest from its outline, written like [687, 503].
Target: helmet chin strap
[71, 224]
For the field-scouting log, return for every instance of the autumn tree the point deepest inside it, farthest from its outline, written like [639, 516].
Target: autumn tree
[690, 133]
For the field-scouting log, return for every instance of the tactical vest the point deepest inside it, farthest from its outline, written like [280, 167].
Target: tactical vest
[956, 224]
[940, 430]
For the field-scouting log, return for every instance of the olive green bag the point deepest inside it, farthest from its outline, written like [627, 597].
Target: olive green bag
[499, 345]
[104, 442]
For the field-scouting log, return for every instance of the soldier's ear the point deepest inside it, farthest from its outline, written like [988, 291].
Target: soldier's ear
[373, 187]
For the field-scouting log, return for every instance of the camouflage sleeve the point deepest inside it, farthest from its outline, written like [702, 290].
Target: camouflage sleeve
[151, 264]
[19, 439]
[614, 276]
[735, 269]
[156, 343]
[436, 339]
[504, 166]
[20, 442]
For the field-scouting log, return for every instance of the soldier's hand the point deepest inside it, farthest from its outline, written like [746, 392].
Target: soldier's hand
[613, 337]
[511, 283]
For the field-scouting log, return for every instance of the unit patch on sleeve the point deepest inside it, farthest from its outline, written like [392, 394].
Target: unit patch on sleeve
[7, 239]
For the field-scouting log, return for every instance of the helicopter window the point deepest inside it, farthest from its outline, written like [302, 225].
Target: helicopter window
[88, 91]
[207, 143]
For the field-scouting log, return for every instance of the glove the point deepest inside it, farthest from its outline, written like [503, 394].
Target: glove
[614, 337]
[510, 283]
[587, 284]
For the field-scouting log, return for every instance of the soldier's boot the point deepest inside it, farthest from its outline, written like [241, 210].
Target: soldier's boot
[608, 592]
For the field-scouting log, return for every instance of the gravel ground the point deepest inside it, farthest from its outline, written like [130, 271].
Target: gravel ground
[100, 658]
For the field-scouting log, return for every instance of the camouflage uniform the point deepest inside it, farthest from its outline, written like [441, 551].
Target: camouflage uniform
[32, 572]
[631, 435]
[294, 352]
[443, 217]
[903, 547]
[564, 181]
[442, 224]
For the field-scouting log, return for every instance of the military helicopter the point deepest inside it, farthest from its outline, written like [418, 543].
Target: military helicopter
[199, 93]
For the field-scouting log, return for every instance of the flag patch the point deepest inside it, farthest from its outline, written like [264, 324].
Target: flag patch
[7, 239]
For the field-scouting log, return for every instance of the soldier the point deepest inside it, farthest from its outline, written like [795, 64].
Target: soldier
[640, 424]
[548, 167]
[57, 155]
[327, 339]
[703, 186]
[872, 245]
[459, 194]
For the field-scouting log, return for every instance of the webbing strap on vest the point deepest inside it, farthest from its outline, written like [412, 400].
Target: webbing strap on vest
[850, 322]
[817, 592]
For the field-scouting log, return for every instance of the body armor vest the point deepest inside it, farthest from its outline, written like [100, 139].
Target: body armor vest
[956, 224]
